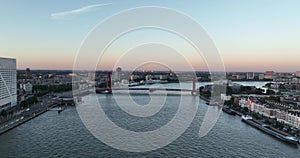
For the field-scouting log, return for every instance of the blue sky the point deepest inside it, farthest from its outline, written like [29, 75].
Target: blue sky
[251, 35]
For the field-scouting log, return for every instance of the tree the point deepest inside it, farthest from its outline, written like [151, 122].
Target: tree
[29, 101]
[255, 115]
[201, 88]
[229, 102]
[245, 109]
[270, 92]
[275, 99]
[229, 91]
[4, 113]
[282, 87]
[246, 88]
[259, 91]
[268, 85]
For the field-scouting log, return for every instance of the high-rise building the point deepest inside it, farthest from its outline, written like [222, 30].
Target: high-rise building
[250, 75]
[261, 76]
[8, 83]
[117, 74]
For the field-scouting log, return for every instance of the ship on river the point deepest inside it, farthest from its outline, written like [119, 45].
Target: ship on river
[228, 110]
[270, 130]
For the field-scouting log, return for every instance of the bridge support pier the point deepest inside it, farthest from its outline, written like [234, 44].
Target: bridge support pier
[194, 93]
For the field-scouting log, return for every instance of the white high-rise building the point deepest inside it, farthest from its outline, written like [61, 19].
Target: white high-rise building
[250, 75]
[8, 83]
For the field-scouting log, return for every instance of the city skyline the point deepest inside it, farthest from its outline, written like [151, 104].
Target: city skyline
[150, 78]
[250, 35]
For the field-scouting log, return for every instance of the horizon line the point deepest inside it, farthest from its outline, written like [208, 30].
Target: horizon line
[235, 71]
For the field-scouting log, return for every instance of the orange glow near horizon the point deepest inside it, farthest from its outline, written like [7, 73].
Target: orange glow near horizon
[231, 64]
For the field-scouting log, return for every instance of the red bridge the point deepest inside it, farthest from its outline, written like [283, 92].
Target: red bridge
[109, 89]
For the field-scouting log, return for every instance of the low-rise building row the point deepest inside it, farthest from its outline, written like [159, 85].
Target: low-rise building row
[287, 116]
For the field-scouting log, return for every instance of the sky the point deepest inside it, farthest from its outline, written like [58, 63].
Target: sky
[250, 35]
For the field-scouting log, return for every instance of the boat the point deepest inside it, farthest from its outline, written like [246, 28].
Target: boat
[132, 84]
[238, 113]
[270, 130]
[228, 111]
[104, 91]
[59, 110]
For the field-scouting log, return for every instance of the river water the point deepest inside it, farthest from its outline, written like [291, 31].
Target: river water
[64, 135]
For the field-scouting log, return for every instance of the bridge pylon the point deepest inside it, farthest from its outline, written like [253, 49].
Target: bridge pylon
[108, 82]
[194, 89]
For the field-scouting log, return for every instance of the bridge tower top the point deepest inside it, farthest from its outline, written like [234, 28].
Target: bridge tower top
[194, 82]
[108, 80]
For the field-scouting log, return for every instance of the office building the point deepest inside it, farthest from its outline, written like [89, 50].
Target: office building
[8, 83]
[250, 75]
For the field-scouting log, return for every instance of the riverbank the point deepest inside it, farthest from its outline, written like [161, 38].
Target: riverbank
[18, 121]
[46, 103]
[262, 123]
[23, 118]
[271, 130]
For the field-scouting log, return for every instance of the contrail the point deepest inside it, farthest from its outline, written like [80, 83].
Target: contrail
[78, 11]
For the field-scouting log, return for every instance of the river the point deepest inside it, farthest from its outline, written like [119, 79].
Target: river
[64, 135]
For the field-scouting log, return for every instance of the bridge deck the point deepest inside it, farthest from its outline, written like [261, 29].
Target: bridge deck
[144, 88]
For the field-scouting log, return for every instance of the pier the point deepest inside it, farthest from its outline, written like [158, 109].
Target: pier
[24, 118]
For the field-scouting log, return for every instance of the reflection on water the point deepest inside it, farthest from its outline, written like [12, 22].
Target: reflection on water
[64, 135]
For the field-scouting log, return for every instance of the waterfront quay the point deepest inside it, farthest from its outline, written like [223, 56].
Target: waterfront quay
[279, 110]
[20, 119]
[46, 103]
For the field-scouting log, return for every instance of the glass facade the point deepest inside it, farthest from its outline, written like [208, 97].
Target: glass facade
[8, 83]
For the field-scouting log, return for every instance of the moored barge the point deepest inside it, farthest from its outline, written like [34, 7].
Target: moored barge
[270, 130]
